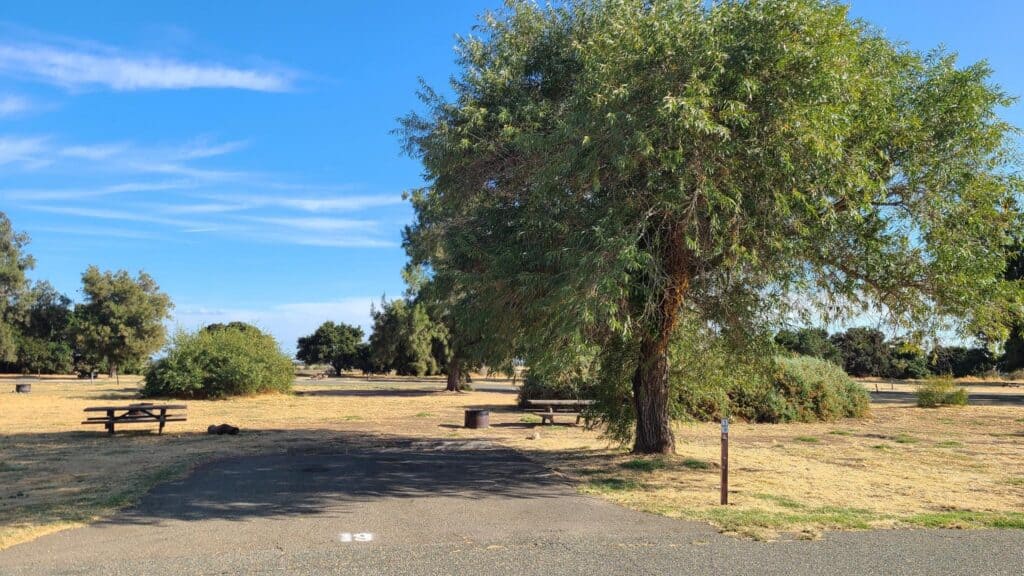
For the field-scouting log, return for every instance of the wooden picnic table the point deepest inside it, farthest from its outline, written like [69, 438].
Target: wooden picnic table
[548, 409]
[135, 414]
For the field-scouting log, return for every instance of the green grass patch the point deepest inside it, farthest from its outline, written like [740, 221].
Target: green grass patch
[881, 447]
[530, 419]
[424, 415]
[967, 519]
[351, 417]
[606, 485]
[1016, 481]
[781, 501]
[695, 464]
[644, 464]
[904, 439]
[949, 444]
[807, 439]
[753, 522]
[840, 433]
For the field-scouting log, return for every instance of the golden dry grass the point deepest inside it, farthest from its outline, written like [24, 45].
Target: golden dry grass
[902, 466]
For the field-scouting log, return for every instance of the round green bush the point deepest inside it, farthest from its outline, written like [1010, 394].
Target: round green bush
[805, 389]
[229, 361]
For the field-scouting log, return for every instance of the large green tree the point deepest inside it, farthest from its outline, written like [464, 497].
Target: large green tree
[334, 344]
[121, 319]
[605, 167]
[14, 262]
[405, 339]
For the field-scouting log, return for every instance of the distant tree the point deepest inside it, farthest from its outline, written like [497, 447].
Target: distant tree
[236, 325]
[121, 319]
[1013, 357]
[960, 361]
[864, 352]
[42, 323]
[604, 168]
[364, 358]
[405, 338]
[14, 263]
[809, 342]
[334, 344]
[907, 360]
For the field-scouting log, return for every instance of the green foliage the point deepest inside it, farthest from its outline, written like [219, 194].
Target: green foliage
[405, 339]
[941, 391]
[39, 356]
[908, 360]
[958, 361]
[605, 165]
[864, 352]
[809, 342]
[218, 363]
[334, 344]
[14, 262]
[121, 320]
[810, 390]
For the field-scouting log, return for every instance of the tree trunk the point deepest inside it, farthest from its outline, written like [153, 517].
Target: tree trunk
[650, 381]
[650, 397]
[454, 375]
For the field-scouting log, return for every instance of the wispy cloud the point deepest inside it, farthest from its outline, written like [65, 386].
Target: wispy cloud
[24, 152]
[13, 105]
[286, 321]
[47, 194]
[79, 67]
[335, 203]
[110, 214]
[319, 224]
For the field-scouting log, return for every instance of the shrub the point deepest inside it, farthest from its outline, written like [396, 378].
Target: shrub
[538, 386]
[940, 391]
[1017, 374]
[806, 389]
[219, 363]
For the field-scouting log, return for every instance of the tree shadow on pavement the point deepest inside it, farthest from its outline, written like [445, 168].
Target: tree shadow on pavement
[353, 470]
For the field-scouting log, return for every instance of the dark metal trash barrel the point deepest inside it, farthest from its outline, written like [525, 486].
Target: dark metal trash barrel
[22, 388]
[478, 419]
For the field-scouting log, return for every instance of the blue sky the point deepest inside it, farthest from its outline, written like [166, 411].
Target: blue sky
[242, 153]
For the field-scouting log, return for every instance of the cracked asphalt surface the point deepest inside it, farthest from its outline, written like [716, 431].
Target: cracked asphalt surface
[452, 508]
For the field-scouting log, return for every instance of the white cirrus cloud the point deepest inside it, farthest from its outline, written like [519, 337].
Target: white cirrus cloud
[11, 105]
[27, 152]
[83, 67]
[287, 322]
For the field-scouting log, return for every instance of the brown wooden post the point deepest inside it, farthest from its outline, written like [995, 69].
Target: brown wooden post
[725, 461]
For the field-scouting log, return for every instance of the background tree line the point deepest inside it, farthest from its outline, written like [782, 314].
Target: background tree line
[868, 352]
[116, 327]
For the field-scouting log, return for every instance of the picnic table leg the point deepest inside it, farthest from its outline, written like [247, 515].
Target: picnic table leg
[110, 421]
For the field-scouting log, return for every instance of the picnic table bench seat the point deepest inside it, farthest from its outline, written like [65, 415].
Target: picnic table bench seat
[548, 409]
[136, 414]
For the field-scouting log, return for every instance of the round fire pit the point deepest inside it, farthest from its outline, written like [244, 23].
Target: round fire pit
[478, 419]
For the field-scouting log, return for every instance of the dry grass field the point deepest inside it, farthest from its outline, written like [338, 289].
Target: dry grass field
[902, 466]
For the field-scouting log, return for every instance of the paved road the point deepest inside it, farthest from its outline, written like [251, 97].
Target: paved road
[451, 508]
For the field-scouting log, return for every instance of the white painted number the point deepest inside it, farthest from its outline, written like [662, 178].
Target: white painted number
[347, 537]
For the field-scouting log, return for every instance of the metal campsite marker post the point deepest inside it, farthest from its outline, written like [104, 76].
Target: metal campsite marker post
[725, 461]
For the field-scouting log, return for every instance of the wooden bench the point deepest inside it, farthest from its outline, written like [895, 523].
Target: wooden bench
[548, 409]
[135, 414]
